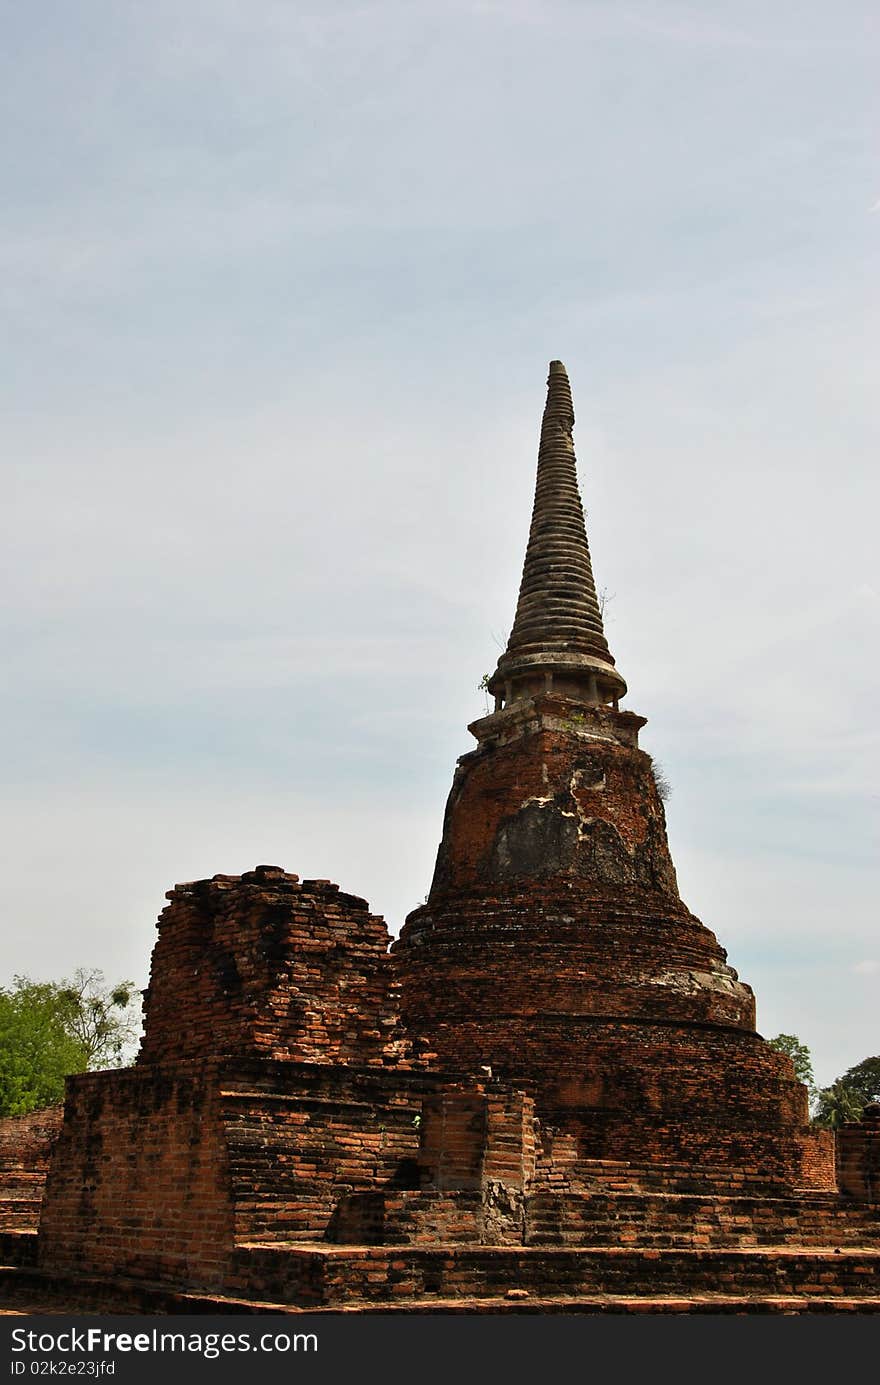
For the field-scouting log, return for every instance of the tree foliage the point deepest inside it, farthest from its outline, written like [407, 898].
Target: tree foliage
[836, 1106]
[846, 1098]
[49, 1029]
[864, 1079]
[791, 1046]
[37, 1047]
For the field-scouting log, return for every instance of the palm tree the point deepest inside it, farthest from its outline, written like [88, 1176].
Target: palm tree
[838, 1105]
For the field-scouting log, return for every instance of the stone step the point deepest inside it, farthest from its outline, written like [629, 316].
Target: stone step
[20, 1216]
[20, 1208]
[18, 1248]
[619, 1175]
[503, 1216]
[14, 1188]
[324, 1275]
[32, 1292]
[672, 1219]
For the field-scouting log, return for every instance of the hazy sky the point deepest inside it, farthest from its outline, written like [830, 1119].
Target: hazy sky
[280, 285]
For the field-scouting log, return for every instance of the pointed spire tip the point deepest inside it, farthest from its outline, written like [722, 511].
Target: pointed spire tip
[557, 637]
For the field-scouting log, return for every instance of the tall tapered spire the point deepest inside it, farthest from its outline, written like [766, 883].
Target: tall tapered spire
[557, 638]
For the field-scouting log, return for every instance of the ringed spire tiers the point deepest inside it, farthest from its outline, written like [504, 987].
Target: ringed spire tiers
[557, 640]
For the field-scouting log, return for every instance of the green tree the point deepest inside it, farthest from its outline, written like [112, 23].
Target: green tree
[836, 1106]
[37, 1048]
[846, 1098]
[49, 1029]
[791, 1046]
[863, 1079]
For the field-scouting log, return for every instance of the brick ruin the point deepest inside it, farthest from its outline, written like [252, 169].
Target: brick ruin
[547, 1092]
[26, 1145]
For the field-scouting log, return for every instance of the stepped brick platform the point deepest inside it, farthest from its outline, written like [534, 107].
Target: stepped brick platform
[548, 1096]
[619, 1022]
[279, 1277]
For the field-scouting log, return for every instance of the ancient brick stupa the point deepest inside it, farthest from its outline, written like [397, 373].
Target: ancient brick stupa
[548, 1094]
[554, 945]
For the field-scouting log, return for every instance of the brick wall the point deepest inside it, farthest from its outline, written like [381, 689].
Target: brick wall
[161, 1170]
[139, 1181]
[299, 1137]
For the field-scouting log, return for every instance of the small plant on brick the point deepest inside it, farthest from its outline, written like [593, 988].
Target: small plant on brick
[664, 788]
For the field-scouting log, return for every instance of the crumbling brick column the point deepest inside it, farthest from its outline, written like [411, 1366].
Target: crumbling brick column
[26, 1144]
[264, 964]
[473, 1133]
[858, 1157]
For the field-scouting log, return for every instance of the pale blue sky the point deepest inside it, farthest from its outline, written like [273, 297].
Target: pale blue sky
[280, 285]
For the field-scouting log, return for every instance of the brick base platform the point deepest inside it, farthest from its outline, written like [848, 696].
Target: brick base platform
[279, 1279]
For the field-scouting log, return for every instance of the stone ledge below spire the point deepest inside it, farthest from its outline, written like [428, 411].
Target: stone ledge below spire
[557, 713]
